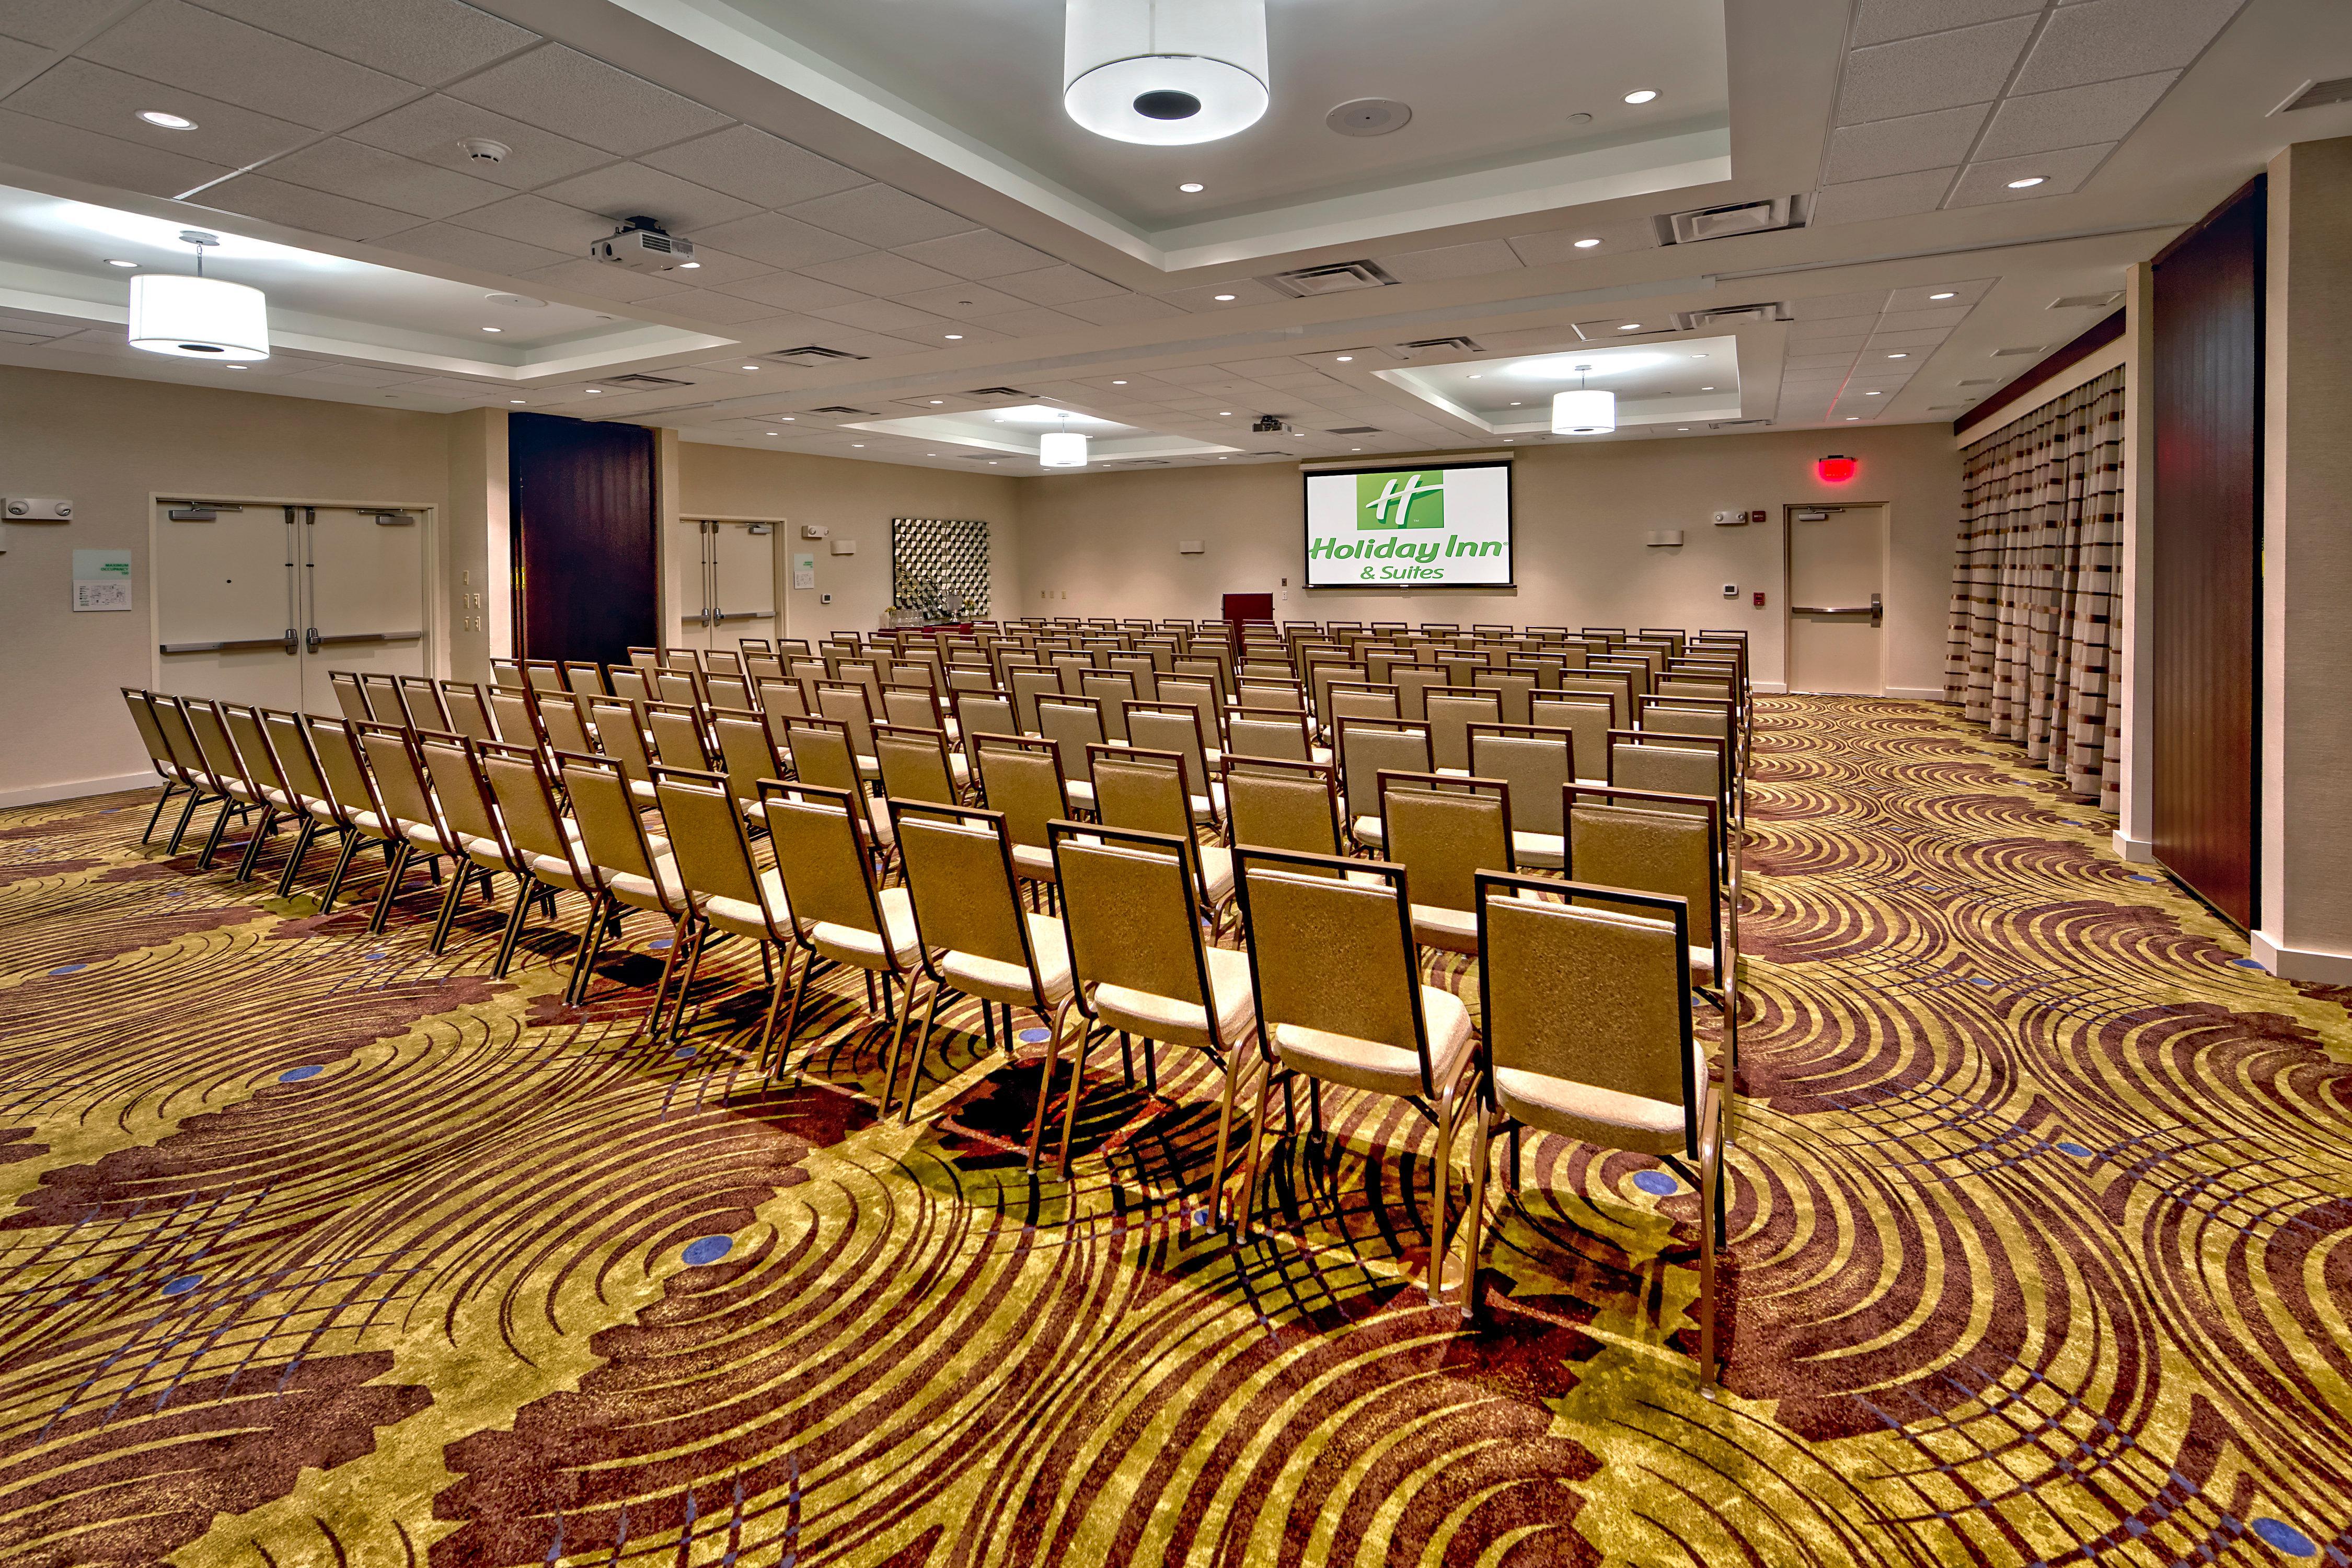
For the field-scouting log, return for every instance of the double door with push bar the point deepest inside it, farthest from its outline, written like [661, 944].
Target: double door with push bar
[724, 575]
[256, 602]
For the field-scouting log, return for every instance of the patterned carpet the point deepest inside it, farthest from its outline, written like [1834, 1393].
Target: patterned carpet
[315, 1249]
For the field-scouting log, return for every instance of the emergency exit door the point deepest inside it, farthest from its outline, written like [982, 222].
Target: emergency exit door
[255, 603]
[728, 586]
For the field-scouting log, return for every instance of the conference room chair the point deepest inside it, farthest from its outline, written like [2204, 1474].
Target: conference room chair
[1020, 779]
[849, 704]
[1538, 762]
[546, 841]
[1367, 747]
[1680, 685]
[1635, 672]
[1588, 1036]
[206, 737]
[723, 660]
[1336, 973]
[1271, 732]
[1026, 686]
[1358, 700]
[584, 678]
[508, 673]
[1277, 804]
[1671, 764]
[780, 698]
[603, 724]
[726, 688]
[919, 708]
[1152, 791]
[469, 809]
[1217, 672]
[823, 753]
[367, 698]
[810, 672]
[1109, 691]
[1206, 700]
[1605, 633]
[625, 868]
[1143, 670]
[1449, 711]
[334, 746]
[1140, 968]
[468, 713]
[1177, 727]
[974, 938]
[1587, 716]
[289, 740]
[1445, 829]
[976, 681]
[169, 768]
[1667, 845]
[866, 672]
[915, 764]
[259, 767]
[1070, 670]
[420, 697]
[679, 738]
[1073, 724]
[981, 712]
[646, 657]
[405, 797]
[1414, 682]
[759, 667]
[727, 893]
[542, 675]
[1616, 686]
[686, 660]
[676, 685]
[1513, 688]
[632, 684]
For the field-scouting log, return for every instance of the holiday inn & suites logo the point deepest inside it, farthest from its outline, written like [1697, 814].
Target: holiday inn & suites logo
[1415, 499]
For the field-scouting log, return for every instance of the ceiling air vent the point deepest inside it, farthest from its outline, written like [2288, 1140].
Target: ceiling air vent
[2086, 301]
[1139, 462]
[1984, 381]
[2318, 94]
[1732, 316]
[1001, 394]
[640, 379]
[1337, 278]
[844, 408]
[1736, 423]
[1722, 223]
[1421, 348]
[2009, 353]
[811, 355]
[1353, 430]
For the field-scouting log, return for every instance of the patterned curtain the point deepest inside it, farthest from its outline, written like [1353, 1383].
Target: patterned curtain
[2034, 586]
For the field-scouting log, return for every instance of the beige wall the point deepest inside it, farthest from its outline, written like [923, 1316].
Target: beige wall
[855, 502]
[1107, 542]
[109, 443]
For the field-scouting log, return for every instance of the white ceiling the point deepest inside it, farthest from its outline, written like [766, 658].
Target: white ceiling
[970, 245]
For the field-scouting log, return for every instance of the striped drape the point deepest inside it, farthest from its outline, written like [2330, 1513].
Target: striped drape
[2034, 627]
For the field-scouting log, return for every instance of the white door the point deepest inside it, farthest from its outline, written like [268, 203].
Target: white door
[257, 603]
[724, 579]
[1837, 583]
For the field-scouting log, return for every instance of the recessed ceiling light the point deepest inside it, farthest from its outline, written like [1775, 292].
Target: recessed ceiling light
[1642, 95]
[1518, 405]
[750, 367]
[1224, 460]
[112, 261]
[1707, 389]
[1355, 448]
[930, 454]
[787, 418]
[1852, 416]
[1475, 376]
[1947, 294]
[514, 400]
[494, 329]
[1347, 359]
[1119, 384]
[771, 432]
[1586, 244]
[991, 462]
[688, 266]
[1698, 357]
[1898, 356]
[1191, 187]
[1224, 414]
[1873, 395]
[237, 367]
[936, 401]
[1631, 327]
[1685, 429]
[955, 337]
[1506, 440]
[163, 122]
[595, 390]
[2029, 180]
[1224, 299]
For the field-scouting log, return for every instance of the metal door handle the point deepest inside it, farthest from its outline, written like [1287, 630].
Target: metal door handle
[235, 645]
[318, 642]
[1836, 609]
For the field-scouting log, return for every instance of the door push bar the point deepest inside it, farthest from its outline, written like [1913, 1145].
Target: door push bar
[1874, 609]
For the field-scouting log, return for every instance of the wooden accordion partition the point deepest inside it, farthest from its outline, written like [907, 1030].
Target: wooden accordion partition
[580, 495]
[2206, 391]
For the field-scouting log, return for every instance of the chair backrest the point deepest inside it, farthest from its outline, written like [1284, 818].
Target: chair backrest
[1269, 733]
[1512, 688]
[573, 725]
[1072, 723]
[1359, 700]
[386, 702]
[726, 689]
[1142, 669]
[466, 803]
[1203, 698]
[1331, 947]
[913, 707]
[822, 754]
[747, 751]
[1446, 830]
[468, 715]
[519, 781]
[401, 792]
[1110, 691]
[1131, 914]
[1652, 842]
[290, 743]
[584, 679]
[206, 728]
[1536, 763]
[421, 695]
[612, 834]
[1283, 805]
[1452, 710]
[983, 712]
[514, 716]
[1686, 716]
[1172, 727]
[542, 674]
[1590, 995]
[151, 733]
[678, 740]
[244, 733]
[704, 829]
[508, 673]
[1679, 685]
[1020, 779]
[1141, 790]
[1592, 682]
[676, 686]
[1673, 764]
[964, 678]
[1635, 671]
[847, 703]
[1586, 716]
[1028, 685]
[782, 699]
[959, 869]
[1367, 746]
[819, 837]
[1201, 668]
[1070, 668]
[341, 765]
[913, 763]
[680, 658]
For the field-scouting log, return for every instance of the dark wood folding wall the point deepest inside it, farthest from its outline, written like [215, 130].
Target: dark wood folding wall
[2206, 386]
[581, 496]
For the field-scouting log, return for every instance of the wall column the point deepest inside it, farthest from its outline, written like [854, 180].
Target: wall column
[2303, 928]
[2136, 681]
[478, 554]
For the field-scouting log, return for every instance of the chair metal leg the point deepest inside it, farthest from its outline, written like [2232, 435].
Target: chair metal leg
[651, 1022]
[170, 789]
[459, 879]
[213, 839]
[525, 891]
[187, 814]
[262, 830]
[898, 1042]
[701, 936]
[1077, 1076]
[342, 864]
[1449, 1110]
[592, 941]
[1046, 1083]
[1237, 1073]
[1256, 1148]
[391, 876]
[792, 1016]
[302, 838]
[776, 987]
[1473, 1219]
[1710, 1237]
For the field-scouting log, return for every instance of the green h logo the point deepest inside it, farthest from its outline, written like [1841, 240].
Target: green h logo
[1413, 500]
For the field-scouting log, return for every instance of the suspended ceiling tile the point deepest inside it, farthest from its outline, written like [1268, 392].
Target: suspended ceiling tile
[703, 305]
[776, 240]
[2101, 40]
[172, 41]
[1818, 362]
[1964, 292]
[2072, 117]
[536, 220]
[368, 174]
[1203, 298]
[976, 254]
[1903, 146]
[887, 316]
[431, 130]
[880, 215]
[1033, 323]
[1058, 284]
[565, 91]
[1881, 21]
[716, 268]
[1981, 185]
[1938, 70]
[1813, 329]
[764, 170]
[1552, 247]
[878, 345]
[471, 247]
[1899, 341]
[1942, 319]
[60, 23]
[1895, 196]
[633, 190]
[19, 60]
[297, 206]
[791, 291]
[57, 149]
[1846, 345]
[424, 41]
[1451, 261]
[1120, 309]
[603, 280]
[97, 98]
[879, 272]
[964, 301]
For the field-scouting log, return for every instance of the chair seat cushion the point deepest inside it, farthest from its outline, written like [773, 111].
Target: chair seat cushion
[1366, 830]
[998, 980]
[1185, 1022]
[1033, 861]
[1456, 930]
[878, 812]
[847, 944]
[1539, 851]
[739, 917]
[1216, 874]
[1383, 1068]
[1592, 1114]
[643, 792]
[640, 892]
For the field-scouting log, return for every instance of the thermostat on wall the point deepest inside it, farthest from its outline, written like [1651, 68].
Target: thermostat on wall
[845, 547]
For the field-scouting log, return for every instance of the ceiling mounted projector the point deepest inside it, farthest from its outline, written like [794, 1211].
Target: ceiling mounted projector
[642, 245]
[1165, 73]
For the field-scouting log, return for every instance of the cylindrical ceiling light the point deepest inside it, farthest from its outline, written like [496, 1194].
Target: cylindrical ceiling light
[1583, 411]
[1062, 449]
[1166, 73]
[198, 316]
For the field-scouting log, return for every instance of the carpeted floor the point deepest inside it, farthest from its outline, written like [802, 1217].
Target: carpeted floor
[315, 1249]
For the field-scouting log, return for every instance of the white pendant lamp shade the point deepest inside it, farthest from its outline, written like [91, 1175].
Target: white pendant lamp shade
[1583, 412]
[1165, 73]
[1062, 449]
[198, 318]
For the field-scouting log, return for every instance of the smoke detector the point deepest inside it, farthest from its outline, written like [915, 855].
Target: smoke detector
[482, 150]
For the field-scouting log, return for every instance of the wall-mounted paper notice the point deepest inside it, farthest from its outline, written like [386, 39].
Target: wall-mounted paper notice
[101, 580]
[803, 570]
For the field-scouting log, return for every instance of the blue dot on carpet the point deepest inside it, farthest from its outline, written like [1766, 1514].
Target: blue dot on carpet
[2137, 877]
[1657, 1184]
[659, 943]
[69, 969]
[707, 1249]
[298, 1075]
[2071, 1147]
[1035, 1037]
[373, 957]
[183, 1285]
[2280, 1536]
[681, 1054]
[2245, 964]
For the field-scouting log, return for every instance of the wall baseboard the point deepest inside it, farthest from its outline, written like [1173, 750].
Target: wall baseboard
[1776, 687]
[74, 789]
[2139, 851]
[1916, 693]
[2300, 963]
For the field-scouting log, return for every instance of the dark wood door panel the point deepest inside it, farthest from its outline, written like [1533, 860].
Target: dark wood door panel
[582, 500]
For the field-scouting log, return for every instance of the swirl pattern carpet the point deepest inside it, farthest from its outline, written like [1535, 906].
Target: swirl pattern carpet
[315, 1249]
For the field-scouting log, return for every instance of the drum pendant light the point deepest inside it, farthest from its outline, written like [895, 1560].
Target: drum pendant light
[1166, 73]
[198, 316]
[1062, 449]
[1582, 412]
